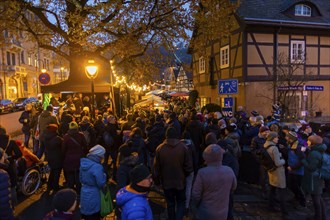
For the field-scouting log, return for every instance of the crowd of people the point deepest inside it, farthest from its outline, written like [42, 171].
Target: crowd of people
[195, 158]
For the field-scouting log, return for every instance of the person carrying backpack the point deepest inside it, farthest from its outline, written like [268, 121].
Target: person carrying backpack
[87, 128]
[276, 176]
[312, 184]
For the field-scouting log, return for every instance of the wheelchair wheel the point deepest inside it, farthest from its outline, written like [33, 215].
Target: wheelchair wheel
[31, 182]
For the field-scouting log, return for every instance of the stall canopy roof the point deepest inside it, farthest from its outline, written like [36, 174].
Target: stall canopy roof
[79, 82]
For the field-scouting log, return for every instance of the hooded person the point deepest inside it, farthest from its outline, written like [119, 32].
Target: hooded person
[212, 202]
[64, 202]
[311, 183]
[132, 199]
[93, 179]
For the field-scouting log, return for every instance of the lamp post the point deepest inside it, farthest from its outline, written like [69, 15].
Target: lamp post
[91, 72]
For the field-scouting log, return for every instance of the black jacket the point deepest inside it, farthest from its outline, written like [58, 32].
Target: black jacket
[6, 211]
[53, 150]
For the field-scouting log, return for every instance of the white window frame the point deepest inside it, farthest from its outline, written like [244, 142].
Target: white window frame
[302, 10]
[297, 57]
[224, 57]
[201, 65]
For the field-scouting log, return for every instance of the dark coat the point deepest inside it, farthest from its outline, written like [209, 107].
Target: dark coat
[155, 136]
[172, 164]
[313, 184]
[195, 129]
[53, 150]
[89, 127]
[73, 151]
[25, 119]
[64, 126]
[6, 211]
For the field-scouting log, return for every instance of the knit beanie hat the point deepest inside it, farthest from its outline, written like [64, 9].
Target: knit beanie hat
[292, 135]
[97, 150]
[254, 113]
[139, 173]
[171, 133]
[263, 129]
[271, 136]
[210, 138]
[222, 124]
[213, 153]
[52, 127]
[64, 199]
[231, 128]
[73, 125]
[315, 139]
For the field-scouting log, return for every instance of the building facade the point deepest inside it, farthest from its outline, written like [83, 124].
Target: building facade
[21, 63]
[278, 51]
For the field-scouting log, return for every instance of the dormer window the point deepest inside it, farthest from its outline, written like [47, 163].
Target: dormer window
[303, 10]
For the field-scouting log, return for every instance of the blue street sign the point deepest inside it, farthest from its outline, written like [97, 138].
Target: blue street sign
[227, 112]
[313, 88]
[289, 88]
[228, 102]
[227, 86]
[44, 78]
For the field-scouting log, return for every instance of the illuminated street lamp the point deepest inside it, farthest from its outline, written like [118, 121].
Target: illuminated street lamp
[91, 72]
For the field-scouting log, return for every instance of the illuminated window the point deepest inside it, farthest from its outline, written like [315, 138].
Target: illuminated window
[224, 56]
[302, 10]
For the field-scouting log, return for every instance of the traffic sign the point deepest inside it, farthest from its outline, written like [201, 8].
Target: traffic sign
[227, 86]
[44, 78]
[228, 102]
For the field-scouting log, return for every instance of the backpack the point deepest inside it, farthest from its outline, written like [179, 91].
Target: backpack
[266, 160]
[87, 136]
[324, 171]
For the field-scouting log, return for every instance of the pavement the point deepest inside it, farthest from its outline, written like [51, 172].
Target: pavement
[248, 204]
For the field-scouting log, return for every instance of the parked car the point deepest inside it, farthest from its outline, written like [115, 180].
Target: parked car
[6, 106]
[19, 103]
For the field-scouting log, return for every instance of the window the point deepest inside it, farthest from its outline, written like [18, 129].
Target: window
[201, 65]
[8, 58]
[297, 51]
[224, 57]
[13, 57]
[22, 57]
[302, 10]
[29, 60]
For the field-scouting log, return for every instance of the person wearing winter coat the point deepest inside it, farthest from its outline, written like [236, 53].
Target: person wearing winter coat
[195, 128]
[295, 167]
[277, 179]
[74, 147]
[46, 117]
[13, 152]
[65, 203]
[25, 119]
[6, 210]
[93, 179]
[87, 128]
[54, 156]
[311, 183]
[212, 202]
[132, 199]
[171, 166]
[29, 157]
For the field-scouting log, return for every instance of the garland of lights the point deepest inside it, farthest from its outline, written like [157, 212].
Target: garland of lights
[122, 80]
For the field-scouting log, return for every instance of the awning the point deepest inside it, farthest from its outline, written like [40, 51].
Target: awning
[79, 82]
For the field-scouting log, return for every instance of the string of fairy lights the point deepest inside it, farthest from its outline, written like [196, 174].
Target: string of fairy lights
[121, 80]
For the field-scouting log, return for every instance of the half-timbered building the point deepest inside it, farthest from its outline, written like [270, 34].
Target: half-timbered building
[279, 51]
